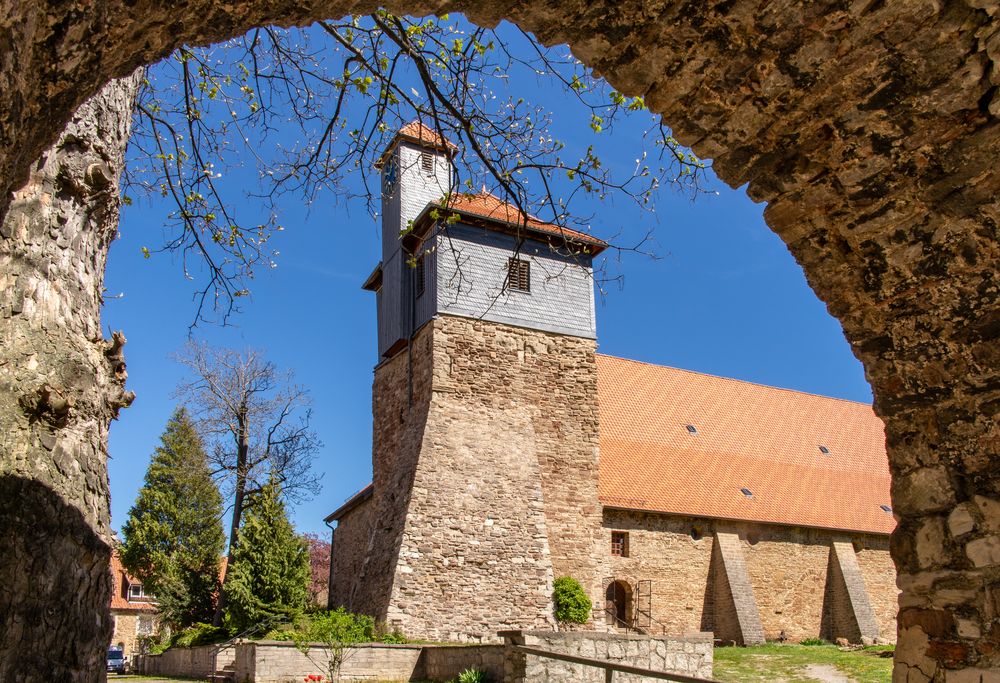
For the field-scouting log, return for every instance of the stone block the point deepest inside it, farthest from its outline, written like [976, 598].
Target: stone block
[984, 552]
[961, 521]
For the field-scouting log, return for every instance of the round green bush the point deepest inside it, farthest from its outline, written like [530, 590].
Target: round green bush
[571, 602]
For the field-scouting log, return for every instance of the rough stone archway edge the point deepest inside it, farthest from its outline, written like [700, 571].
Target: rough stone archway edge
[871, 130]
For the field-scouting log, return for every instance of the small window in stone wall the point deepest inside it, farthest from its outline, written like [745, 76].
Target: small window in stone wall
[519, 275]
[619, 543]
[144, 625]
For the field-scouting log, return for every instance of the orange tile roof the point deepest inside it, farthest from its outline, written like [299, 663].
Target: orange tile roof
[417, 132]
[490, 206]
[748, 435]
[119, 594]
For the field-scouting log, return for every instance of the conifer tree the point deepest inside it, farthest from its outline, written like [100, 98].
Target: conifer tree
[173, 538]
[270, 567]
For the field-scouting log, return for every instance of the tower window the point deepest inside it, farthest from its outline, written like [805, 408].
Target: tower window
[427, 162]
[619, 543]
[420, 276]
[519, 275]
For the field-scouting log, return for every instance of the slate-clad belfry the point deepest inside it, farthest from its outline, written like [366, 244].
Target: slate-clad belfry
[507, 453]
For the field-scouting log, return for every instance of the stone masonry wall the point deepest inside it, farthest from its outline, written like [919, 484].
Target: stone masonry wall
[350, 547]
[269, 661]
[880, 578]
[690, 655]
[194, 662]
[505, 488]
[787, 567]
[400, 399]
[125, 631]
[552, 380]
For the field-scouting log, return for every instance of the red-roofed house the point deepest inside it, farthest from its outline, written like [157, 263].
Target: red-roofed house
[507, 453]
[133, 610]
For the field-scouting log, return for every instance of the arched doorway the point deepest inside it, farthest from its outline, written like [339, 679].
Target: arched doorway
[618, 604]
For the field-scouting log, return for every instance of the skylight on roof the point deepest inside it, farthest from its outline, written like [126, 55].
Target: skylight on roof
[746, 492]
[824, 450]
[691, 429]
[885, 508]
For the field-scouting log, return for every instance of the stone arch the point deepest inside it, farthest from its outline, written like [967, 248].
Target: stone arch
[869, 128]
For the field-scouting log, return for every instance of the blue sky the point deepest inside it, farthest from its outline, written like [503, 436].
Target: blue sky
[723, 297]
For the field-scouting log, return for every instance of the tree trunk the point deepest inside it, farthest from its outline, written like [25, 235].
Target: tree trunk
[61, 384]
[242, 458]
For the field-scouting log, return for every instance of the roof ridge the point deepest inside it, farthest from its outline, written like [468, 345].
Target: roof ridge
[738, 381]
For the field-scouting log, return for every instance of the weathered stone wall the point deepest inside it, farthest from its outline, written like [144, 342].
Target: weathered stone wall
[444, 662]
[485, 482]
[400, 398]
[787, 568]
[350, 546]
[505, 489]
[689, 655]
[269, 661]
[192, 662]
[126, 630]
[880, 578]
[550, 380]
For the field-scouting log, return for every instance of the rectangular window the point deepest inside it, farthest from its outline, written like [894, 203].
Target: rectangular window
[519, 275]
[144, 625]
[136, 592]
[427, 163]
[619, 543]
[420, 275]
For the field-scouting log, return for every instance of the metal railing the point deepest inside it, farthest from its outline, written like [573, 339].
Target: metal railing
[611, 667]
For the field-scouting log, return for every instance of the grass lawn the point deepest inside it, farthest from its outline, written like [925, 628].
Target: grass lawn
[776, 663]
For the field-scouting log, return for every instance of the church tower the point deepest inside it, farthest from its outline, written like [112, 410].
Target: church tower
[485, 424]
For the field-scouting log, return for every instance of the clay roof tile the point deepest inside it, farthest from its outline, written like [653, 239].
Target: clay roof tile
[746, 435]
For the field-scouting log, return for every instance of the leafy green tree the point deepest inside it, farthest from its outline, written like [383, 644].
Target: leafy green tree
[270, 571]
[173, 536]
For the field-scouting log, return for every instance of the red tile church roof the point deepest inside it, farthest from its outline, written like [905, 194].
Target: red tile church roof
[746, 436]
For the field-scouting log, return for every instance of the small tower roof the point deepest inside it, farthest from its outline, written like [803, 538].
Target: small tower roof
[418, 134]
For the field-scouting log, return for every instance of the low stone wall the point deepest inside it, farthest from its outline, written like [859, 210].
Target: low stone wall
[270, 661]
[445, 662]
[195, 662]
[689, 655]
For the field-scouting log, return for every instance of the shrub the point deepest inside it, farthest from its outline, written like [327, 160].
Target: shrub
[198, 634]
[571, 602]
[472, 676]
[335, 626]
[814, 641]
